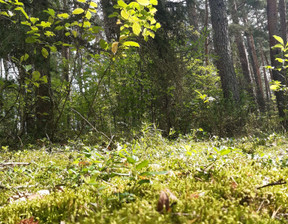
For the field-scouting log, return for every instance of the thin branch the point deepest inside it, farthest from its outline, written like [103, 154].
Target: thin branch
[94, 128]
[279, 182]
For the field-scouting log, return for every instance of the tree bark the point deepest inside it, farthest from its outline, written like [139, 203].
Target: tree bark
[256, 72]
[242, 53]
[224, 62]
[272, 16]
[283, 26]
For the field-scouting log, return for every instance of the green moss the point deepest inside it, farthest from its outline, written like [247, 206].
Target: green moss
[215, 182]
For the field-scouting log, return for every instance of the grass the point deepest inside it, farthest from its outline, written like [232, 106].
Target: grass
[212, 181]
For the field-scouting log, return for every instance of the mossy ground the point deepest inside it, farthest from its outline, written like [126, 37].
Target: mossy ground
[215, 181]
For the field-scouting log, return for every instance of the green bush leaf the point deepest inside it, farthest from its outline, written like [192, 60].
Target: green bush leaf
[143, 2]
[279, 39]
[78, 11]
[136, 28]
[131, 43]
[44, 52]
[131, 160]
[143, 164]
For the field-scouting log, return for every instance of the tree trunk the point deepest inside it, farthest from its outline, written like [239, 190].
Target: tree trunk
[272, 16]
[283, 26]
[222, 46]
[192, 13]
[267, 86]
[44, 105]
[206, 34]
[242, 53]
[256, 72]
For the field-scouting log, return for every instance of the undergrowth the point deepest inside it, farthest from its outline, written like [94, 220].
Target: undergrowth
[213, 181]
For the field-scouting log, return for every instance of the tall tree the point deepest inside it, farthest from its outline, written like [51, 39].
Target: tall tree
[223, 51]
[272, 16]
[242, 50]
[256, 71]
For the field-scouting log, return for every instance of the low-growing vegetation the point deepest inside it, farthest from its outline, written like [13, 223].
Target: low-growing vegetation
[147, 180]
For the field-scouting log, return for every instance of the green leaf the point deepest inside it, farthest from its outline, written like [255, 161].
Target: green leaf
[74, 32]
[143, 164]
[131, 43]
[31, 39]
[34, 20]
[279, 39]
[136, 28]
[49, 34]
[53, 48]
[44, 52]
[143, 2]
[51, 12]
[78, 11]
[44, 24]
[93, 4]
[88, 15]
[24, 57]
[26, 23]
[27, 67]
[125, 14]
[131, 160]
[144, 182]
[154, 2]
[63, 15]
[103, 44]
[23, 11]
[36, 75]
[122, 3]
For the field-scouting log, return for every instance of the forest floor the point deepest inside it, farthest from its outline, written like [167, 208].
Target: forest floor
[148, 180]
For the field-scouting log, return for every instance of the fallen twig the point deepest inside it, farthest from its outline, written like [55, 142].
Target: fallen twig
[14, 164]
[279, 182]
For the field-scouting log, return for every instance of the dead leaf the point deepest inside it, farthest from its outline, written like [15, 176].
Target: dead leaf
[171, 196]
[28, 221]
[234, 185]
[115, 47]
[163, 202]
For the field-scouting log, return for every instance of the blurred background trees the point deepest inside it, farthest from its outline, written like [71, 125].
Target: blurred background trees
[204, 68]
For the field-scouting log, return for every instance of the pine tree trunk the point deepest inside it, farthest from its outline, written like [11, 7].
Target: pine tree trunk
[272, 16]
[242, 53]
[222, 46]
[256, 72]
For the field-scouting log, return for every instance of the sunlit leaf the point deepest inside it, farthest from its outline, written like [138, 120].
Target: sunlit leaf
[279, 39]
[78, 11]
[63, 16]
[136, 28]
[44, 52]
[143, 2]
[131, 43]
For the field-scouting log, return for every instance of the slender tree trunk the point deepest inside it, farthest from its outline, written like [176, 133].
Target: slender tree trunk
[206, 34]
[256, 72]
[283, 26]
[242, 53]
[192, 13]
[272, 16]
[44, 105]
[267, 86]
[66, 68]
[222, 46]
